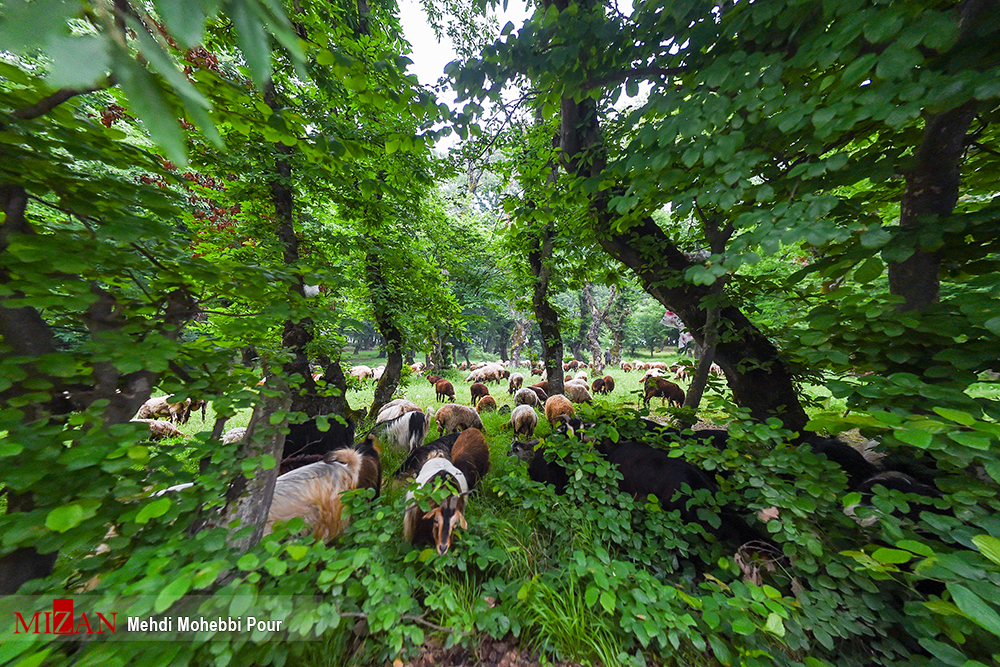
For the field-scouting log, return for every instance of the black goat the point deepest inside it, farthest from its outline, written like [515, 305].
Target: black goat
[419, 456]
[306, 438]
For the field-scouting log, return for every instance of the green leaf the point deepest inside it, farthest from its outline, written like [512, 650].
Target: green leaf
[974, 608]
[185, 19]
[892, 556]
[608, 601]
[921, 439]
[988, 546]
[154, 509]
[248, 562]
[993, 325]
[252, 40]
[77, 62]
[148, 103]
[590, 597]
[963, 418]
[743, 626]
[972, 440]
[297, 551]
[171, 593]
[66, 517]
[775, 625]
[29, 24]
[869, 271]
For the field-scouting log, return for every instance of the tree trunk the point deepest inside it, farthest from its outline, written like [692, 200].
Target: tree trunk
[757, 376]
[249, 501]
[518, 337]
[931, 190]
[383, 308]
[616, 325]
[597, 318]
[540, 258]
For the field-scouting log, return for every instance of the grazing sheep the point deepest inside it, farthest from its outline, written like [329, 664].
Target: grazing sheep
[626, 367]
[524, 419]
[477, 391]
[160, 407]
[536, 371]
[159, 429]
[541, 394]
[665, 389]
[417, 367]
[516, 381]
[486, 404]
[526, 396]
[503, 410]
[609, 384]
[598, 386]
[715, 369]
[313, 492]
[434, 379]
[582, 375]
[395, 409]
[362, 373]
[377, 373]
[463, 366]
[556, 406]
[453, 417]
[577, 392]
[444, 389]
[543, 385]
[470, 462]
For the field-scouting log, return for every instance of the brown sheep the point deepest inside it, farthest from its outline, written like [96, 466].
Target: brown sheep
[577, 391]
[486, 404]
[536, 371]
[452, 418]
[626, 367]
[665, 389]
[543, 385]
[598, 386]
[471, 455]
[556, 406]
[477, 391]
[434, 379]
[516, 380]
[609, 384]
[444, 389]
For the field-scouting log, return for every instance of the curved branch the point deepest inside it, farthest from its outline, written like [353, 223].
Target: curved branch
[47, 104]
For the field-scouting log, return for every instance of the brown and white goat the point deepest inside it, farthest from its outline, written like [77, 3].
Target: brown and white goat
[470, 461]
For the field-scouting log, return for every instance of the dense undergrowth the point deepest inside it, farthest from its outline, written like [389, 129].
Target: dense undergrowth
[592, 576]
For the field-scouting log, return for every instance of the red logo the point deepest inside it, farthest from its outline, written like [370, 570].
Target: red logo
[62, 621]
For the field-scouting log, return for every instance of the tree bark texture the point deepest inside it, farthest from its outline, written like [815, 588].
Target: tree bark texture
[931, 190]
[619, 313]
[522, 325]
[382, 307]
[597, 318]
[539, 258]
[250, 500]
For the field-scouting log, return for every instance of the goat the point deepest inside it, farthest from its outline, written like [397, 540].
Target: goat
[470, 461]
[444, 389]
[160, 407]
[313, 492]
[486, 404]
[665, 389]
[453, 418]
[477, 391]
[516, 381]
[408, 430]
[524, 419]
[556, 406]
[419, 456]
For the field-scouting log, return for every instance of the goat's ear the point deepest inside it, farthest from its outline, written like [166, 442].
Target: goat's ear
[434, 512]
[462, 522]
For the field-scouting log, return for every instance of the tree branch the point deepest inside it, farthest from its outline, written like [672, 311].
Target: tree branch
[47, 104]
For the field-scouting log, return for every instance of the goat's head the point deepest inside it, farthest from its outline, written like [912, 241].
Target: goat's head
[447, 516]
[525, 451]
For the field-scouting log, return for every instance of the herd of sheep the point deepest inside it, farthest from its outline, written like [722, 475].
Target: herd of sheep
[318, 466]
